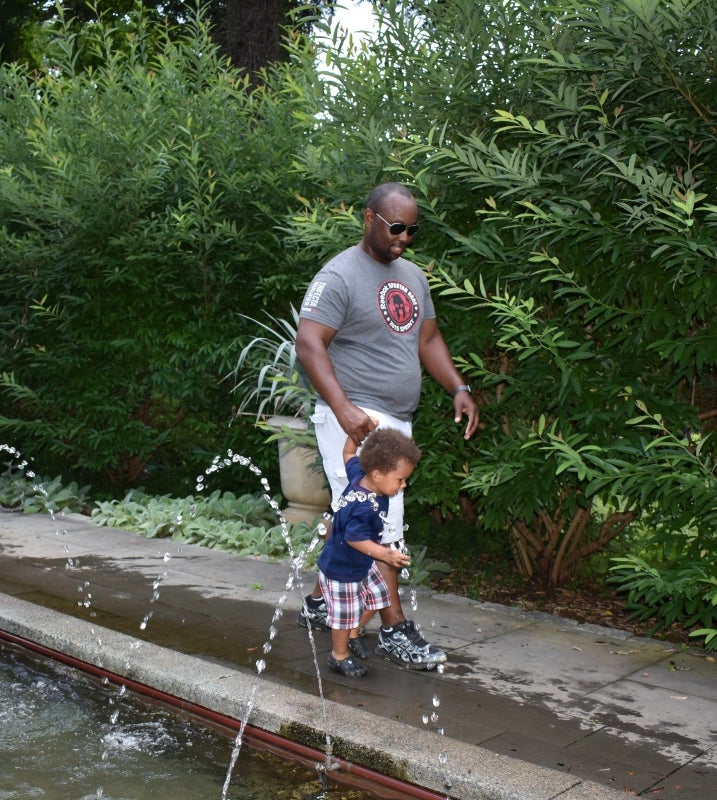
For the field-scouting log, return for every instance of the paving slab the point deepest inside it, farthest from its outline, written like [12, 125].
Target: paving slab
[530, 706]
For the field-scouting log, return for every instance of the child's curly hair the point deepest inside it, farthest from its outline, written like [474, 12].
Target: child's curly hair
[384, 448]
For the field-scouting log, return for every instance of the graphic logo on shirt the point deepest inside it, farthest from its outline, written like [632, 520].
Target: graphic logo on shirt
[313, 296]
[399, 306]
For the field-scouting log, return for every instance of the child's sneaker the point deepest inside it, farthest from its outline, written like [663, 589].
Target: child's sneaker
[359, 648]
[347, 667]
[404, 645]
[313, 612]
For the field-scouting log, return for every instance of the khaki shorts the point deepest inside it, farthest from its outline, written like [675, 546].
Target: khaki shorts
[331, 438]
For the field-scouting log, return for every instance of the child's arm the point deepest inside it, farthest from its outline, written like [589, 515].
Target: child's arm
[378, 552]
[350, 449]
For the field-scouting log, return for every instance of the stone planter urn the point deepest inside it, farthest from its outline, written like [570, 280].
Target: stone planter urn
[303, 483]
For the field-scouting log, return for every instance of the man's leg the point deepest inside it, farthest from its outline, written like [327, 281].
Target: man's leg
[393, 614]
[399, 640]
[330, 438]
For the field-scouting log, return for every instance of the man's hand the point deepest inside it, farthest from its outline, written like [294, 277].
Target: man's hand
[356, 422]
[463, 403]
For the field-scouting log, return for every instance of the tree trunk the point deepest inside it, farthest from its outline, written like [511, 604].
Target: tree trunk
[549, 551]
[250, 32]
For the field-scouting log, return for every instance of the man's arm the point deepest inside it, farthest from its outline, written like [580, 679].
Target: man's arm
[435, 357]
[312, 342]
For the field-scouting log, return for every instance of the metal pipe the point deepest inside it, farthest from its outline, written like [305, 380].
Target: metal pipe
[383, 785]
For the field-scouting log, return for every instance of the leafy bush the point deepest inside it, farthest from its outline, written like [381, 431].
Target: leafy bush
[569, 238]
[138, 221]
[686, 594]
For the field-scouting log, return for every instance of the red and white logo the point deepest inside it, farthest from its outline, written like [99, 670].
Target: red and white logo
[399, 306]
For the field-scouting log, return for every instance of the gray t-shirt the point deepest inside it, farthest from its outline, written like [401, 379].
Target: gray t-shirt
[377, 311]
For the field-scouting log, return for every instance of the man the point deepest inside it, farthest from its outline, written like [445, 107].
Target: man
[367, 324]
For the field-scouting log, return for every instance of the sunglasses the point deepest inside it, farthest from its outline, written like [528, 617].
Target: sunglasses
[397, 228]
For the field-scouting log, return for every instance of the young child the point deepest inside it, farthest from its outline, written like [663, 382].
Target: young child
[351, 584]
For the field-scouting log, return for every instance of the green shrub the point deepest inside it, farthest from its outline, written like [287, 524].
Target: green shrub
[685, 594]
[139, 203]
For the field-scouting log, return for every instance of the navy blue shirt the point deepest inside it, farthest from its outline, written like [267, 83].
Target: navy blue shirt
[357, 520]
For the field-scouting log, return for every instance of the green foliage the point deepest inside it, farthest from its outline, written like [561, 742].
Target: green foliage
[29, 28]
[435, 483]
[569, 236]
[429, 64]
[686, 593]
[22, 37]
[138, 204]
[268, 375]
[424, 569]
[246, 525]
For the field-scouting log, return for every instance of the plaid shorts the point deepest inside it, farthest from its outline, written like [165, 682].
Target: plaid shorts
[345, 602]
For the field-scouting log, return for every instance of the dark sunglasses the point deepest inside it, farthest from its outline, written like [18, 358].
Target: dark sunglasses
[397, 228]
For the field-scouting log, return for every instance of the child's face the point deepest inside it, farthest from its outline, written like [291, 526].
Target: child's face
[392, 482]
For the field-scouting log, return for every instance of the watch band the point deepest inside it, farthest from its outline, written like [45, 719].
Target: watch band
[462, 388]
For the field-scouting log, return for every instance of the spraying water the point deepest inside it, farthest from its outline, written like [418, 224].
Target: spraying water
[294, 582]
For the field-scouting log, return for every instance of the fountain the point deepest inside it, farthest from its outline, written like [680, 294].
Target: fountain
[56, 740]
[328, 763]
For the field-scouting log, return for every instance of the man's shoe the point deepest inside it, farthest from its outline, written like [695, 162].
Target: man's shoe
[313, 612]
[437, 655]
[347, 667]
[404, 645]
[359, 648]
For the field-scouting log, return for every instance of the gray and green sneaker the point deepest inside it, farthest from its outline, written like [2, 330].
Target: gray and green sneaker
[313, 612]
[404, 645]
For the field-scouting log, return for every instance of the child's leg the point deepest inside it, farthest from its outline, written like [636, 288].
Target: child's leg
[375, 595]
[340, 643]
[343, 607]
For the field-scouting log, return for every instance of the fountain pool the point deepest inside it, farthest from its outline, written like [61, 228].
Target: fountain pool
[67, 736]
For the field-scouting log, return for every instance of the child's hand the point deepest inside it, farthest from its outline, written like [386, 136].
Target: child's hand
[397, 559]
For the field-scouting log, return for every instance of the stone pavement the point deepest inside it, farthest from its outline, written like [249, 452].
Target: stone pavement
[528, 707]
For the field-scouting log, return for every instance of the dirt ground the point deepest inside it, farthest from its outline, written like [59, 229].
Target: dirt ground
[586, 602]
